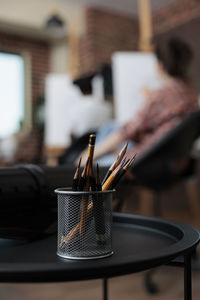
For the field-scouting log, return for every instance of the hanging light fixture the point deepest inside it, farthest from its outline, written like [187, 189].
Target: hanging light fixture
[55, 24]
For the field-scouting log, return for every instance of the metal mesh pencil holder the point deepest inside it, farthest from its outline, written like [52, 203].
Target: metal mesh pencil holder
[84, 224]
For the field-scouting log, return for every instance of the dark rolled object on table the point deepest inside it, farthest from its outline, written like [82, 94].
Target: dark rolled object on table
[28, 205]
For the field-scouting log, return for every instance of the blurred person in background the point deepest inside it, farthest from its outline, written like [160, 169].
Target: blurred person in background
[164, 109]
[93, 110]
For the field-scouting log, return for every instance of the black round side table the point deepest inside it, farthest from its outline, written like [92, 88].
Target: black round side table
[139, 243]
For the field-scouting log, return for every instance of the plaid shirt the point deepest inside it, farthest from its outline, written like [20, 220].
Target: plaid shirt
[165, 108]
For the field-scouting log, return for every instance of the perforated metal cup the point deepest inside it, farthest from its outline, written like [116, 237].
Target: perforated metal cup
[84, 224]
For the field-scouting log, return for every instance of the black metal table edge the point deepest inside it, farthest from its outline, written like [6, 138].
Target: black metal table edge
[181, 248]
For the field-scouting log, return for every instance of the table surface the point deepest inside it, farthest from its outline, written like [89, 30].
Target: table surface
[139, 243]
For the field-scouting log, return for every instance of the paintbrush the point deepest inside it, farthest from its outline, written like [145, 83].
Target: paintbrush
[75, 183]
[107, 184]
[83, 177]
[83, 218]
[100, 217]
[116, 162]
[123, 170]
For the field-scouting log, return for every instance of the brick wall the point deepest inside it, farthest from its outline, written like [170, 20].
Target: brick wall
[39, 53]
[182, 19]
[106, 32]
[175, 14]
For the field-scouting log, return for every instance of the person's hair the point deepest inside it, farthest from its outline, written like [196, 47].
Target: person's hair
[85, 83]
[175, 56]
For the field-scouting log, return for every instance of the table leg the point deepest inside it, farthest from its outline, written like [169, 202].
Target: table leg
[150, 286]
[105, 289]
[187, 277]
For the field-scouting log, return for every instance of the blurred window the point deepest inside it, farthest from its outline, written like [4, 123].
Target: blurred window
[11, 93]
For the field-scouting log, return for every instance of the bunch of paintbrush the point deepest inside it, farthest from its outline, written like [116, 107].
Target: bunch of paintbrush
[114, 174]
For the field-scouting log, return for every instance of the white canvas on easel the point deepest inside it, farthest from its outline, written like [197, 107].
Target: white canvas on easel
[132, 71]
[60, 96]
[68, 112]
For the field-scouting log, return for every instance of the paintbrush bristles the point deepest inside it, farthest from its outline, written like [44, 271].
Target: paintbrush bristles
[131, 161]
[123, 151]
[124, 165]
[77, 173]
[79, 164]
[91, 147]
[92, 139]
[115, 163]
[119, 157]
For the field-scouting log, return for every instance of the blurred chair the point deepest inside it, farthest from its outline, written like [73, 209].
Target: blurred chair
[167, 163]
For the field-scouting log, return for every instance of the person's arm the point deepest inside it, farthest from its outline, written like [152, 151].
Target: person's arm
[145, 118]
[108, 145]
